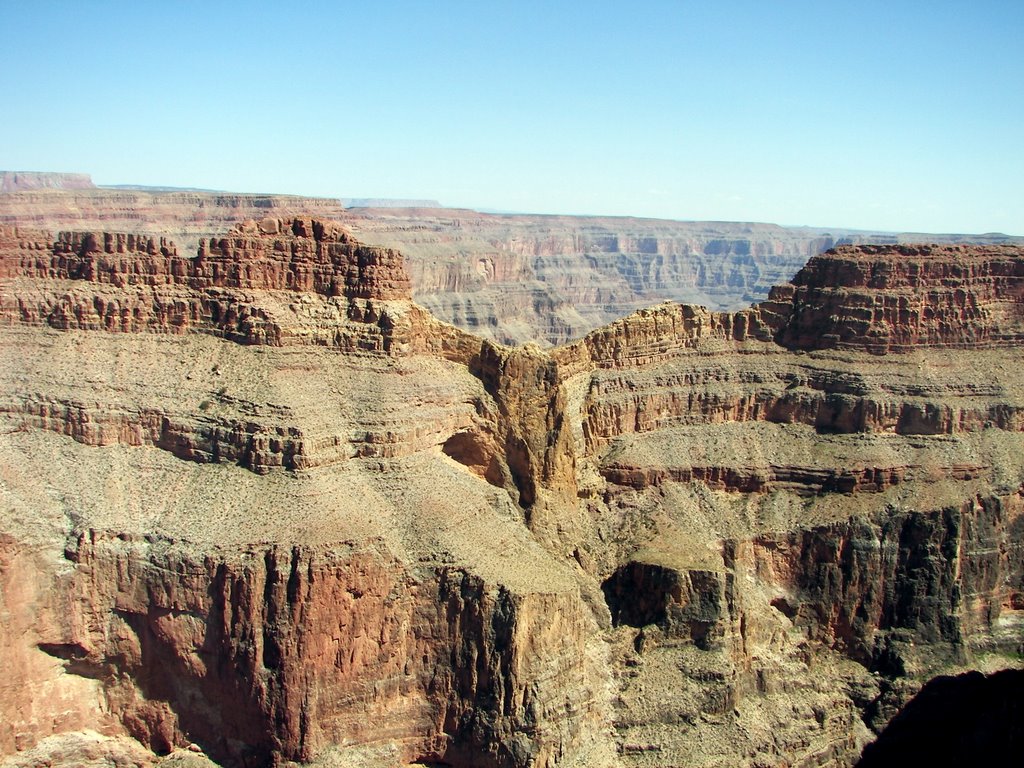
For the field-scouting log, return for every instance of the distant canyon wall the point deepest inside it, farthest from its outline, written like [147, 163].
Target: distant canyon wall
[23, 181]
[510, 278]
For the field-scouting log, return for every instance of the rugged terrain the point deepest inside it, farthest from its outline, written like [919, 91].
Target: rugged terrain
[260, 507]
[510, 278]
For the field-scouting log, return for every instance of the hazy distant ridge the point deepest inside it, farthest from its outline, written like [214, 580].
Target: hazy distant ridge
[23, 181]
[387, 202]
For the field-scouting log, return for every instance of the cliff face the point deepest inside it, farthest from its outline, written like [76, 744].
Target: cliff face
[260, 506]
[799, 528]
[285, 652]
[183, 216]
[898, 298]
[129, 283]
[508, 278]
[552, 279]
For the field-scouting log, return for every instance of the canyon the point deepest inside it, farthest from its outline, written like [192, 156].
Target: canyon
[510, 278]
[262, 508]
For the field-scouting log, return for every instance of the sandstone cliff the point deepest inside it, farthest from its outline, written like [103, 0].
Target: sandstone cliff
[509, 278]
[180, 215]
[259, 507]
[552, 279]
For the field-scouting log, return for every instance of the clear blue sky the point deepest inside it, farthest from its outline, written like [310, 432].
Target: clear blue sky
[896, 115]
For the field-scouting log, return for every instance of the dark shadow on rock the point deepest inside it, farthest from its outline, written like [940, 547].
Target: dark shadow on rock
[970, 719]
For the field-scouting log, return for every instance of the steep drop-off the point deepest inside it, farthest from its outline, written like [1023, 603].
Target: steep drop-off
[259, 507]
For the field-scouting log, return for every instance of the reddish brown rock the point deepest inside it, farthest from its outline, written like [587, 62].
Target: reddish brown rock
[898, 298]
[691, 537]
[132, 283]
[508, 278]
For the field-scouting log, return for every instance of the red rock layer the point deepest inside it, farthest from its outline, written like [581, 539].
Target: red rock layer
[290, 650]
[895, 298]
[301, 255]
[132, 283]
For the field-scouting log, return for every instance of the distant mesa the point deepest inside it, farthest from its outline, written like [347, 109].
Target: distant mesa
[387, 202]
[161, 189]
[24, 181]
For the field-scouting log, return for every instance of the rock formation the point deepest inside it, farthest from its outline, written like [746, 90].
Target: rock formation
[259, 508]
[552, 279]
[185, 216]
[509, 278]
[22, 181]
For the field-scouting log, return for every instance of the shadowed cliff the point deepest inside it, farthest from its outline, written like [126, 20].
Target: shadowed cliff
[970, 719]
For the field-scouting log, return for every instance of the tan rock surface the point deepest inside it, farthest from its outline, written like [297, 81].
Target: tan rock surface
[271, 508]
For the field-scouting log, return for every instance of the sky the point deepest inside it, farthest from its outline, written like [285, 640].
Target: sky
[897, 115]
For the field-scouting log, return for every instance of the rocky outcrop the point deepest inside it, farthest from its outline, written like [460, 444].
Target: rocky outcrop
[22, 181]
[691, 537]
[898, 298]
[132, 283]
[553, 279]
[300, 255]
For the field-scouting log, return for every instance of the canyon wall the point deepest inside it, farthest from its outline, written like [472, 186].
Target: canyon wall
[552, 279]
[260, 508]
[185, 216]
[510, 278]
[798, 528]
[22, 181]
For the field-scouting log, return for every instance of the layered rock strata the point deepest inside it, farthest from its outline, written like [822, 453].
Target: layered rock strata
[552, 279]
[509, 278]
[185, 216]
[806, 526]
[334, 606]
[266, 510]
[128, 283]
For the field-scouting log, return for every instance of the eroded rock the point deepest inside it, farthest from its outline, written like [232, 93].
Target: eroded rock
[299, 519]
